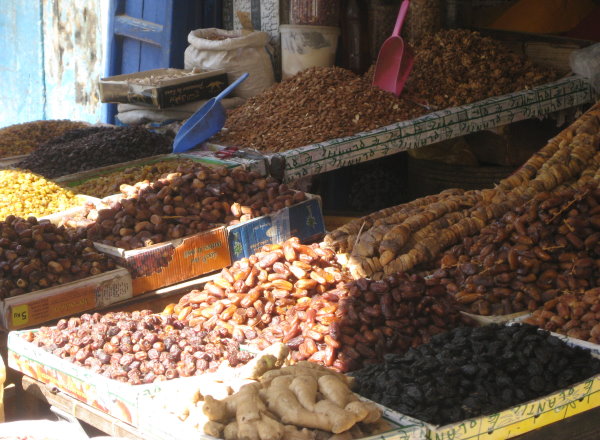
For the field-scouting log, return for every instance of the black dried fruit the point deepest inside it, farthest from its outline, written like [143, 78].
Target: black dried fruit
[469, 372]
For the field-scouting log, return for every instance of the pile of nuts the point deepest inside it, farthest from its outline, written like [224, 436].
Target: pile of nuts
[298, 294]
[468, 372]
[452, 67]
[546, 246]
[24, 138]
[109, 184]
[196, 199]
[23, 194]
[94, 147]
[576, 315]
[316, 105]
[36, 254]
[136, 348]
[457, 66]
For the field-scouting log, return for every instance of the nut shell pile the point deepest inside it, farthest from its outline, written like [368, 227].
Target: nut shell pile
[23, 193]
[36, 255]
[456, 66]
[137, 348]
[472, 372]
[110, 184]
[196, 199]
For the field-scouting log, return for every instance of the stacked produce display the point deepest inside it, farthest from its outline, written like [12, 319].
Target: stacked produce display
[325, 103]
[375, 330]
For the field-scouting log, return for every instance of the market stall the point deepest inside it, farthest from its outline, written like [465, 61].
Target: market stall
[163, 296]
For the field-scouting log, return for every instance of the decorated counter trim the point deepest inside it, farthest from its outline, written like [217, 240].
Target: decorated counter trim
[436, 127]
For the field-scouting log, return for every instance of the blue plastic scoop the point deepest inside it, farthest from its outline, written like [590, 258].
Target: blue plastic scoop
[206, 122]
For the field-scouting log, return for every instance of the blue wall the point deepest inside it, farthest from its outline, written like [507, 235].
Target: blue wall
[21, 62]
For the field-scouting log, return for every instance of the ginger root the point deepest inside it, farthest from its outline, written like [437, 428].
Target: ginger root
[300, 402]
[305, 388]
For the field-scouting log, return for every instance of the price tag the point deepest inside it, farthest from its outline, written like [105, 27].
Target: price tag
[19, 315]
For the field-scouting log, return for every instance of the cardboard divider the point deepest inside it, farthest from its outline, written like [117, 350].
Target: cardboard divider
[178, 260]
[120, 400]
[67, 299]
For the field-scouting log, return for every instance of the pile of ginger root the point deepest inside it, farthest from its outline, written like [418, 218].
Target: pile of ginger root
[304, 401]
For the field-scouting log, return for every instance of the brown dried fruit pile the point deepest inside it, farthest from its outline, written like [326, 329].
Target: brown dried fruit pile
[137, 348]
[24, 138]
[37, 255]
[181, 204]
[299, 295]
[456, 67]
[318, 104]
[575, 314]
[527, 258]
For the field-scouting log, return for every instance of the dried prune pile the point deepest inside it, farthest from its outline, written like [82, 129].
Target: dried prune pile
[469, 372]
[93, 147]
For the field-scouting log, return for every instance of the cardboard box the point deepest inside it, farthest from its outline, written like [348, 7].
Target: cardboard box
[173, 261]
[303, 220]
[178, 260]
[120, 400]
[66, 299]
[163, 93]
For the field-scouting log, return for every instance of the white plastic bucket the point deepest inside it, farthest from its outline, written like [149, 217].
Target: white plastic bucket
[307, 46]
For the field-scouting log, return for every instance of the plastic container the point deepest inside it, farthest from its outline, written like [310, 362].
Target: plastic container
[307, 46]
[315, 12]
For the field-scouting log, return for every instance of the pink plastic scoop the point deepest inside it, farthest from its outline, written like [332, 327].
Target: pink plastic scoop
[395, 60]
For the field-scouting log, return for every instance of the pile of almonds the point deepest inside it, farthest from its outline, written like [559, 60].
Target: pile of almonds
[36, 255]
[196, 199]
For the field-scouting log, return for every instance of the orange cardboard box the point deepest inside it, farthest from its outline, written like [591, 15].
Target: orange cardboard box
[173, 261]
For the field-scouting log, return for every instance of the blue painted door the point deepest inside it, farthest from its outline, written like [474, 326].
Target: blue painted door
[150, 34]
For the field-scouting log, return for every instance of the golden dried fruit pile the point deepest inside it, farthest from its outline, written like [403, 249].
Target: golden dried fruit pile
[109, 184]
[24, 138]
[23, 193]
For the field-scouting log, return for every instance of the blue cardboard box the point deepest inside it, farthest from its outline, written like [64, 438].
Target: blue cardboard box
[303, 220]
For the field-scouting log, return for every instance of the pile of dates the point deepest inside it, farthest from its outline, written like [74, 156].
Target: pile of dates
[469, 372]
[196, 199]
[576, 315]
[299, 295]
[548, 245]
[138, 347]
[36, 255]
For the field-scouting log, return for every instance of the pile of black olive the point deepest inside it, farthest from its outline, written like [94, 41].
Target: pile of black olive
[469, 372]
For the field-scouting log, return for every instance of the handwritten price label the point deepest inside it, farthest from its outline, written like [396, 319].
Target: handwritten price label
[19, 315]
